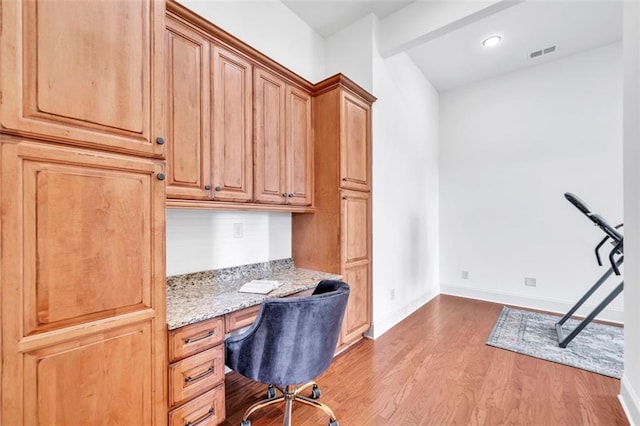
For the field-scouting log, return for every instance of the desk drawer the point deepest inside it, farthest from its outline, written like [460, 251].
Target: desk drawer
[241, 318]
[196, 374]
[193, 338]
[206, 410]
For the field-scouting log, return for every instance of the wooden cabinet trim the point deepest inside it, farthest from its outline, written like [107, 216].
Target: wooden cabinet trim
[242, 318]
[191, 339]
[195, 374]
[207, 409]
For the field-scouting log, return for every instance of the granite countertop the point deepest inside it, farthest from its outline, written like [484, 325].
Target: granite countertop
[203, 295]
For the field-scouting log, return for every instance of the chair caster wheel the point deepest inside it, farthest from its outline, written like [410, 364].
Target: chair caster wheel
[248, 423]
[333, 423]
[271, 392]
[315, 393]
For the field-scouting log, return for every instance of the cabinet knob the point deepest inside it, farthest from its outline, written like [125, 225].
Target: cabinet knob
[160, 140]
[160, 176]
[290, 195]
[207, 187]
[217, 189]
[284, 194]
[344, 179]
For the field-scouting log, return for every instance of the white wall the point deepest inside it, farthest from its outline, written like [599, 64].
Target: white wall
[203, 240]
[200, 240]
[509, 148]
[630, 388]
[405, 191]
[405, 171]
[270, 27]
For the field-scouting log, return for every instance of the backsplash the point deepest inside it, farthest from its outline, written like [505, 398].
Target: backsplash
[202, 240]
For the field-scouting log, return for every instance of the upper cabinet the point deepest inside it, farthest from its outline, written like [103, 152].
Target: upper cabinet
[239, 125]
[84, 73]
[355, 150]
[283, 142]
[231, 124]
[188, 108]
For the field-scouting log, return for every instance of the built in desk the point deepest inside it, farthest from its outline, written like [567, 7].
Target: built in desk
[201, 308]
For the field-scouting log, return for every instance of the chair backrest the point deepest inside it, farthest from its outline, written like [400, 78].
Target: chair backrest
[293, 339]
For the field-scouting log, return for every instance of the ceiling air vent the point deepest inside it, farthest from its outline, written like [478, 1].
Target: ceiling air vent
[541, 52]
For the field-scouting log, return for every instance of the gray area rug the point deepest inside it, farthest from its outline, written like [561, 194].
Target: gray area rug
[598, 348]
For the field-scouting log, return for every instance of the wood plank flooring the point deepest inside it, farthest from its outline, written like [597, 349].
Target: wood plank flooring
[435, 369]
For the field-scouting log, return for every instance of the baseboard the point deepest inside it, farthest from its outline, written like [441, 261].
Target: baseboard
[630, 402]
[550, 305]
[391, 320]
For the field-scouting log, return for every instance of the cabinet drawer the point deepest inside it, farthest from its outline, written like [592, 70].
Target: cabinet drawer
[206, 410]
[196, 374]
[194, 338]
[241, 318]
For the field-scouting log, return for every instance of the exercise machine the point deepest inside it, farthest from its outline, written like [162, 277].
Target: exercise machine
[616, 257]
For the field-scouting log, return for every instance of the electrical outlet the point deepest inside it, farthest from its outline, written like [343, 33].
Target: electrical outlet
[529, 281]
[465, 275]
[237, 230]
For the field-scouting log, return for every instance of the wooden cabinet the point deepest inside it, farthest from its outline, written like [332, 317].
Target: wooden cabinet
[188, 110]
[231, 124]
[83, 73]
[337, 237]
[283, 141]
[239, 125]
[209, 125]
[355, 146]
[196, 373]
[83, 305]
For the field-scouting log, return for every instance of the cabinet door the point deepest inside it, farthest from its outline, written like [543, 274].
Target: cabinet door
[83, 298]
[269, 122]
[356, 258]
[232, 154]
[355, 142]
[85, 73]
[299, 148]
[188, 108]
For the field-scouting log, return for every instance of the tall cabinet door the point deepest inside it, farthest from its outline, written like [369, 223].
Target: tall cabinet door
[355, 148]
[356, 266]
[84, 73]
[232, 118]
[269, 128]
[188, 108]
[299, 148]
[83, 305]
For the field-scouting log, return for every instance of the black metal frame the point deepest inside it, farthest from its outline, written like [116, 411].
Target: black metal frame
[617, 239]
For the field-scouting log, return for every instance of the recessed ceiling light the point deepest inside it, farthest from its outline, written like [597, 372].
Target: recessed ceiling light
[492, 41]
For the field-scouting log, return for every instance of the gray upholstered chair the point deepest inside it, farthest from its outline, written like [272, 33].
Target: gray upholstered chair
[291, 342]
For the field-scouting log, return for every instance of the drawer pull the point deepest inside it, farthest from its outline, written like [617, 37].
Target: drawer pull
[196, 339]
[201, 419]
[190, 379]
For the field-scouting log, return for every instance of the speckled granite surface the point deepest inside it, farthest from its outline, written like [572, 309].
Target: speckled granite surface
[203, 295]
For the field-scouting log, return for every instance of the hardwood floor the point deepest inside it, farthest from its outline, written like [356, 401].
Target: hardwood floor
[435, 369]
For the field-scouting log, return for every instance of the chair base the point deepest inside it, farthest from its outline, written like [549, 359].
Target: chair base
[288, 395]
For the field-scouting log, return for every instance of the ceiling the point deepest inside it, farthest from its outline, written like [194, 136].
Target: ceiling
[327, 17]
[457, 57]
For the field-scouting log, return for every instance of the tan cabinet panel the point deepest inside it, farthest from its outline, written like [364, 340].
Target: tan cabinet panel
[232, 144]
[358, 315]
[269, 122]
[356, 226]
[284, 145]
[188, 110]
[299, 148]
[101, 379]
[355, 147]
[195, 374]
[84, 73]
[193, 338]
[83, 304]
[206, 410]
